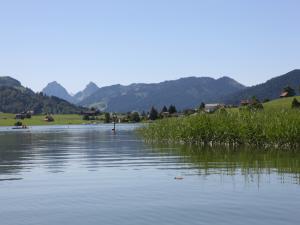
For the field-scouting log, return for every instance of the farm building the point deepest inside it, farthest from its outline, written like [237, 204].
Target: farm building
[209, 108]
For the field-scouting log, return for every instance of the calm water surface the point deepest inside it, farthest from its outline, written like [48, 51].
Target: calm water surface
[86, 175]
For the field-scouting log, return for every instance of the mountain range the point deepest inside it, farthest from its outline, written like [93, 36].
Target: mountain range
[184, 93]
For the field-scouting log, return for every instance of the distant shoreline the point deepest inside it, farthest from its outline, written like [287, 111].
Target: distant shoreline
[8, 120]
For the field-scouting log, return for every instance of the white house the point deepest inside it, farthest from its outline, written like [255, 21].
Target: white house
[209, 108]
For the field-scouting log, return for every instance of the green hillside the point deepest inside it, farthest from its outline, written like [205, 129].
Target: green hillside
[281, 103]
[14, 98]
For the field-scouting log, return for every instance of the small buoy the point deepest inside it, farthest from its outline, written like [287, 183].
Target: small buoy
[178, 178]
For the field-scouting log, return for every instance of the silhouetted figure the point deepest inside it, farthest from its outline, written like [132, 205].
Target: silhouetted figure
[114, 122]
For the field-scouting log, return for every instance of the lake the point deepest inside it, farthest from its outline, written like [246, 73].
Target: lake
[88, 175]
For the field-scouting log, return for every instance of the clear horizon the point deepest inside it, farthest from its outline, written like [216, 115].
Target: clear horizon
[75, 42]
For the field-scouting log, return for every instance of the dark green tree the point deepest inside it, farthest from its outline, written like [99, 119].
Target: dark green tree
[254, 99]
[164, 109]
[143, 116]
[107, 117]
[202, 106]
[172, 109]
[153, 115]
[291, 92]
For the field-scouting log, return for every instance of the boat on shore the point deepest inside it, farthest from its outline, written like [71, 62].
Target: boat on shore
[20, 127]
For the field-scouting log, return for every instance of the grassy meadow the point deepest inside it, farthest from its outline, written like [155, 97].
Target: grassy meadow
[7, 119]
[280, 104]
[276, 126]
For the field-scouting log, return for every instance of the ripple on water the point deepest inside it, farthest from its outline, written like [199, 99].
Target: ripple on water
[87, 175]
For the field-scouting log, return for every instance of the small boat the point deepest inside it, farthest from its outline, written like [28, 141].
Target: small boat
[20, 128]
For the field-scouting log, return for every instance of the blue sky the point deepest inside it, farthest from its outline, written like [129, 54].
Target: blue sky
[109, 42]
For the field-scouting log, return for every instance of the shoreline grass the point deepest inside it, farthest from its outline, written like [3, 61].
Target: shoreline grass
[276, 128]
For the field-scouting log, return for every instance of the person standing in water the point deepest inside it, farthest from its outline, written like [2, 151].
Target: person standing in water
[114, 122]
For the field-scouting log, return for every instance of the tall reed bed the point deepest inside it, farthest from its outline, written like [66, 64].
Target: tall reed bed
[262, 128]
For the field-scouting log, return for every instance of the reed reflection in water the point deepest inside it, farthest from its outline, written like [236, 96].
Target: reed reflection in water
[88, 175]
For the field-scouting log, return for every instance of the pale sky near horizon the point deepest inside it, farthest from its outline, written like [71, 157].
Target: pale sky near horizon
[131, 41]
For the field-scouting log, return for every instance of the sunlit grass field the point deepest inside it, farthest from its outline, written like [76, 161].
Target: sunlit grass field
[7, 119]
[279, 104]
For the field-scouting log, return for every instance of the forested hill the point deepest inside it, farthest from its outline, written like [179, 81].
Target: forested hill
[15, 98]
[184, 93]
[271, 89]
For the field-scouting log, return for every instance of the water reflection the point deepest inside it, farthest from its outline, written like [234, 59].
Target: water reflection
[87, 175]
[59, 149]
[249, 162]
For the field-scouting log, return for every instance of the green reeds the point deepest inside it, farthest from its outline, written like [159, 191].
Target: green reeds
[261, 128]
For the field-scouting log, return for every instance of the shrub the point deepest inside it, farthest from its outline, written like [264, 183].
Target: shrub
[295, 104]
[18, 124]
[255, 106]
[49, 118]
[135, 117]
[86, 117]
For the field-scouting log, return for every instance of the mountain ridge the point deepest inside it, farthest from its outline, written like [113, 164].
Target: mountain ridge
[185, 92]
[271, 89]
[137, 96]
[87, 91]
